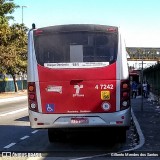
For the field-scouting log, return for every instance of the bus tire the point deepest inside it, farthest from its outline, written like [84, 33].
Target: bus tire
[122, 136]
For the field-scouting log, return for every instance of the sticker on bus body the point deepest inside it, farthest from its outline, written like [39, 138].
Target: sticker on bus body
[49, 107]
[104, 86]
[105, 95]
[76, 65]
[77, 91]
[106, 106]
[54, 89]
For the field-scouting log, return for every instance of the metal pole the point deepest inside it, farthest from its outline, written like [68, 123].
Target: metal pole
[22, 12]
[142, 85]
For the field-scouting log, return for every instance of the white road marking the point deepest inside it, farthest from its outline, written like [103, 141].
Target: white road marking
[25, 137]
[34, 131]
[13, 112]
[10, 145]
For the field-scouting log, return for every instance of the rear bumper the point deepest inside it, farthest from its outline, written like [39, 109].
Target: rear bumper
[116, 119]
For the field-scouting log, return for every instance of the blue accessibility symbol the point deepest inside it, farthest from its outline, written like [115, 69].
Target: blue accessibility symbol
[50, 107]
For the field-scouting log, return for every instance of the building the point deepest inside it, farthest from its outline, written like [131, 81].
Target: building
[141, 58]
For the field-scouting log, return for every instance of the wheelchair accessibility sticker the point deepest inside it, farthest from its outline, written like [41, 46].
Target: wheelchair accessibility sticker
[50, 107]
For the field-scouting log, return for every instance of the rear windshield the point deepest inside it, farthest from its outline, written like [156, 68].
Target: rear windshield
[79, 47]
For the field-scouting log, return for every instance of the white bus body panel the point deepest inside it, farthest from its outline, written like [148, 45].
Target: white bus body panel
[122, 71]
[32, 71]
[95, 120]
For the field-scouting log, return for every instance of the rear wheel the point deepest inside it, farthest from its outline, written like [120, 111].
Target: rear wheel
[122, 135]
[56, 135]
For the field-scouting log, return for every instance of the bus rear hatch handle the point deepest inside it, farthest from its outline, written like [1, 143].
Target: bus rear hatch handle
[75, 81]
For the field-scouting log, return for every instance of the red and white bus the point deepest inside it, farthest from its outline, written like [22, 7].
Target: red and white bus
[78, 78]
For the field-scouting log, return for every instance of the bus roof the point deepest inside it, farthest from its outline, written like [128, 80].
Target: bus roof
[80, 27]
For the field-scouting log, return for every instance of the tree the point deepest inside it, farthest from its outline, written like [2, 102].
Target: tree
[6, 7]
[13, 43]
[14, 54]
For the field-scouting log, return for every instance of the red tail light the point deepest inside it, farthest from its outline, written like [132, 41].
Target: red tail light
[32, 98]
[112, 29]
[38, 32]
[125, 94]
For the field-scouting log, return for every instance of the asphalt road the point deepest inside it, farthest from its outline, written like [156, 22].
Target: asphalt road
[17, 136]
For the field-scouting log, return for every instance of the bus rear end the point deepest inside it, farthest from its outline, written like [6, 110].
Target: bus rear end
[77, 78]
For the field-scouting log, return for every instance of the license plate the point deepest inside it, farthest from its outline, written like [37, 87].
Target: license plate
[80, 120]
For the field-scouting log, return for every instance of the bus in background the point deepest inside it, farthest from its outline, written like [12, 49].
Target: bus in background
[78, 79]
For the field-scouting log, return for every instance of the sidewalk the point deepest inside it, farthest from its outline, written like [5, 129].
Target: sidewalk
[149, 121]
[12, 96]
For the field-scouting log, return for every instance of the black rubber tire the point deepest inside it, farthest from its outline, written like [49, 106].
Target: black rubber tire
[122, 136]
[56, 135]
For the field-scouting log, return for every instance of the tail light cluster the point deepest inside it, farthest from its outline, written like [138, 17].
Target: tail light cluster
[125, 94]
[32, 98]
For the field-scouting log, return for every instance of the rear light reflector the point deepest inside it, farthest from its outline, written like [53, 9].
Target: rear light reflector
[122, 117]
[119, 122]
[38, 32]
[125, 94]
[30, 88]
[111, 29]
[33, 105]
[32, 98]
[125, 85]
[40, 123]
[124, 103]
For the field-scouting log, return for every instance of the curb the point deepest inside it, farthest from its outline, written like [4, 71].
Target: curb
[139, 131]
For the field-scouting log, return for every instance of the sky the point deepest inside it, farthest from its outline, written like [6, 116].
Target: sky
[139, 20]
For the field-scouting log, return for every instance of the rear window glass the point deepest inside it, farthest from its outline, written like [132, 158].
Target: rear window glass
[76, 47]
